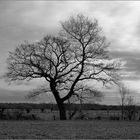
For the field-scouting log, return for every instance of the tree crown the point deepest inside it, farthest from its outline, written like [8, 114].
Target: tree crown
[77, 54]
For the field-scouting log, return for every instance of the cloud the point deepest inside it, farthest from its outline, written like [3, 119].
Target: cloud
[20, 96]
[29, 19]
[42, 14]
[120, 22]
[131, 68]
[32, 20]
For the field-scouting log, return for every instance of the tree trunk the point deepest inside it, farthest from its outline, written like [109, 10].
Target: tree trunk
[62, 110]
[60, 103]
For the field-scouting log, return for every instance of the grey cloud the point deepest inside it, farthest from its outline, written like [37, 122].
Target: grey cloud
[12, 96]
[132, 63]
[20, 96]
[31, 20]
[126, 54]
[137, 30]
[118, 8]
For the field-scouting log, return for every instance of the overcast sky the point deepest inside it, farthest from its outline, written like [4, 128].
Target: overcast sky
[32, 20]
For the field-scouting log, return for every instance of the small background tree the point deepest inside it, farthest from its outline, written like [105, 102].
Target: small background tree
[128, 108]
[131, 108]
[124, 93]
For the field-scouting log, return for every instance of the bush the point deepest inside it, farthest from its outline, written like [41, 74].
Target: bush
[98, 118]
[114, 118]
[28, 110]
[18, 114]
[42, 110]
[82, 116]
[30, 117]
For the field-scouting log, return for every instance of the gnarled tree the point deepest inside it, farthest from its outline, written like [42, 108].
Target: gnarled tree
[77, 55]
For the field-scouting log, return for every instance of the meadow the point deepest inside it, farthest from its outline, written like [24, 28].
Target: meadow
[69, 130]
[97, 124]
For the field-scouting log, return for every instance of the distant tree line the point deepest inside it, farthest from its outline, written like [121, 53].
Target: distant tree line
[54, 106]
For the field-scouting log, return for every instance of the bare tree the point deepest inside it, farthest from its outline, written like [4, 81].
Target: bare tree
[124, 92]
[131, 108]
[78, 55]
[130, 100]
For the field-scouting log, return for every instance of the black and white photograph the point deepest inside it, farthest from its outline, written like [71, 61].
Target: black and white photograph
[69, 69]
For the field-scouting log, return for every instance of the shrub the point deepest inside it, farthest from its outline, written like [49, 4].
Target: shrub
[82, 116]
[98, 118]
[18, 114]
[114, 118]
[42, 110]
[30, 117]
[28, 110]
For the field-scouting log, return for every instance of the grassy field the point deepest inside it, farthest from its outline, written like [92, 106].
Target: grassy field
[69, 129]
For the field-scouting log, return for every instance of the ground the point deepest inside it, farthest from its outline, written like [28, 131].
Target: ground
[69, 129]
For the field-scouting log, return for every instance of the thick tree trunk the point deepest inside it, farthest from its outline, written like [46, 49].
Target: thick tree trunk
[60, 102]
[62, 110]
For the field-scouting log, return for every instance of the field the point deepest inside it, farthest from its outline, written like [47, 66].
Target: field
[69, 129]
[48, 126]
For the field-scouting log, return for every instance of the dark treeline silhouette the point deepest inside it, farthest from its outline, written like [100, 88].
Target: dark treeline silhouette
[54, 106]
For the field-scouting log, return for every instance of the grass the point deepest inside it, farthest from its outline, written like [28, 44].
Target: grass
[69, 130]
